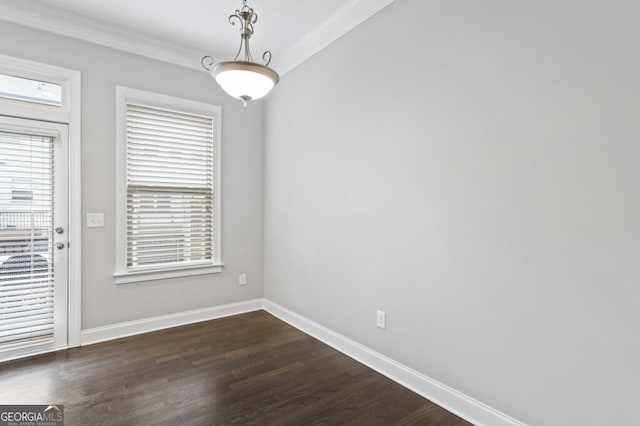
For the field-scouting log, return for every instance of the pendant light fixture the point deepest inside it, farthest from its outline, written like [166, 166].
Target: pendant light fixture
[243, 78]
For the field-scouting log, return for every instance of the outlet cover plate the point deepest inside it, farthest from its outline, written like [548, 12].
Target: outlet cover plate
[381, 319]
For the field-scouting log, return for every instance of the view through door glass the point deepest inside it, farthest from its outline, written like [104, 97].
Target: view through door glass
[33, 242]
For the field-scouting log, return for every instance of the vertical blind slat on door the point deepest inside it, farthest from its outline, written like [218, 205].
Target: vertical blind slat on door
[26, 223]
[170, 176]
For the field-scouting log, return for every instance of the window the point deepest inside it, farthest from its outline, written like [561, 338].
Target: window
[168, 187]
[27, 90]
[38, 91]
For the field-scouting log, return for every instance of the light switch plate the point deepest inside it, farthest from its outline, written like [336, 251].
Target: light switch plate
[95, 220]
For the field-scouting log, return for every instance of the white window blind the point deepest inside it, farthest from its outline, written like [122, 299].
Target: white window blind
[26, 272]
[169, 188]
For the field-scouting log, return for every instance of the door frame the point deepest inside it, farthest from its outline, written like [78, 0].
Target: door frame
[68, 113]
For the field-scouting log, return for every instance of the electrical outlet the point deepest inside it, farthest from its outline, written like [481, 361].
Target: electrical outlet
[242, 279]
[381, 319]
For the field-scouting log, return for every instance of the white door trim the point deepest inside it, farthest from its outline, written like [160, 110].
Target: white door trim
[75, 210]
[69, 113]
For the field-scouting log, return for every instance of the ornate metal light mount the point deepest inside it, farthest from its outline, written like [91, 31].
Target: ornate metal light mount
[243, 78]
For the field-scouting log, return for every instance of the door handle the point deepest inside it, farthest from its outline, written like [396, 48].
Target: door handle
[59, 246]
[59, 230]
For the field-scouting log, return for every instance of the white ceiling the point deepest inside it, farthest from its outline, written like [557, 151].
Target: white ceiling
[292, 29]
[203, 24]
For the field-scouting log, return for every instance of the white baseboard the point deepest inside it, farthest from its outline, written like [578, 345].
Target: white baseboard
[456, 402]
[439, 393]
[125, 329]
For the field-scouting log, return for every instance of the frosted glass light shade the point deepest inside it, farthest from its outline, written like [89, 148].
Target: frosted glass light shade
[244, 80]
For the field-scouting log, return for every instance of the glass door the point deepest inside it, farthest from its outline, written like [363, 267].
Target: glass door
[33, 236]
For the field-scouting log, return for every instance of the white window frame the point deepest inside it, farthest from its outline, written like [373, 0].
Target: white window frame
[68, 113]
[123, 96]
[41, 72]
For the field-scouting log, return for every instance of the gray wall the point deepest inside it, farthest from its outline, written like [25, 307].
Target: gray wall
[104, 302]
[472, 168]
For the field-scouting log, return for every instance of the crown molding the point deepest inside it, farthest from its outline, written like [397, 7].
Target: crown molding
[57, 21]
[51, 19]
[344, 20]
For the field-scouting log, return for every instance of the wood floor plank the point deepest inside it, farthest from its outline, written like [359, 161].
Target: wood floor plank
[250, 369]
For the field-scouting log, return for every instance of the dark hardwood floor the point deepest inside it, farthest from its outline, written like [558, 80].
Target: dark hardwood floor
[246, 369]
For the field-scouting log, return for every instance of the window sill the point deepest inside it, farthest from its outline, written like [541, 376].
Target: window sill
[139, 276]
